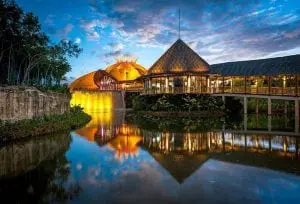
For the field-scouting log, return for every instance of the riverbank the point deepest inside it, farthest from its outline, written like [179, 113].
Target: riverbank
[43, 125]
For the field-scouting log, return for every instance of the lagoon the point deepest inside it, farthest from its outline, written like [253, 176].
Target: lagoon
[122, 157]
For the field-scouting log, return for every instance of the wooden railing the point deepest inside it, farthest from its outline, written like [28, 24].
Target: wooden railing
[276, 91]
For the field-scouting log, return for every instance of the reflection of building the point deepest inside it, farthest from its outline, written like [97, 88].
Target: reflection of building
[103, 127]
[181, 154]
[125, 144]
[110, 129]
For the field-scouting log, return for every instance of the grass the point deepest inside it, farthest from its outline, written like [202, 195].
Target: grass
[11, 131]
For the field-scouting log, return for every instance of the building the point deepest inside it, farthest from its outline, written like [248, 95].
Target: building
[123, 75]
[181, 70]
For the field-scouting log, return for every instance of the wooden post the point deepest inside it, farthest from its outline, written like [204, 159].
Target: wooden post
[150, 85]
[296, 85]
[223, 85]
[283, 86]
[269, 79]
[167, 84]
[231, 84]
[245, 85]
[245, 105]
[245, 122]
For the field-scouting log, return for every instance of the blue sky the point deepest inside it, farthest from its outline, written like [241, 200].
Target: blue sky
[219, 30]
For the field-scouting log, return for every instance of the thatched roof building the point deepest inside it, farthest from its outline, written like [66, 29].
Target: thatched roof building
[179, 58]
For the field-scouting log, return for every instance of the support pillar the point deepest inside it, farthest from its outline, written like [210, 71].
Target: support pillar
[245, 105]
[189, 84]
[245, 122]
[297, 116]
[217, 85]
[150, 86]
[231, 84]
[224, 101]
[167, 84]
[269, 106]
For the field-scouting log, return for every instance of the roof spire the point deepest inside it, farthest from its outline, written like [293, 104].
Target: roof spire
[179, 23]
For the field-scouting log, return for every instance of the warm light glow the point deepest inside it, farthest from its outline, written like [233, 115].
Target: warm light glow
[93, 101]
[126, 70]
[125, 146]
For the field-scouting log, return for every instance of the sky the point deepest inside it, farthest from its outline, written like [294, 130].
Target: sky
[218, 30]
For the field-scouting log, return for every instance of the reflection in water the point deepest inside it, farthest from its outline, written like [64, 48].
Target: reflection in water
[36, 171]
[117, 160]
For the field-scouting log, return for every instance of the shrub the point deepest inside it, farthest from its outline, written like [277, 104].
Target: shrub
[10, 131]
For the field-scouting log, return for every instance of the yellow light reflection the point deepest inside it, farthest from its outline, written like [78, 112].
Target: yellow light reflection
[125, 146]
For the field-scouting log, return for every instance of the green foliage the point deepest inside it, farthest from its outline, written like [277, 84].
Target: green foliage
[55, 88]
[43, 125]
[233, 106]
[177, 103]
[174, 124]
[26, 54]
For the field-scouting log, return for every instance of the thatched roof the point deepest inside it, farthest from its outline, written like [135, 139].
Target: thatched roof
[271, 66]
[126, 70]
[84, 82]
[177, 59]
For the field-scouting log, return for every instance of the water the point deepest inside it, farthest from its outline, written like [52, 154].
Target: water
[124, 158]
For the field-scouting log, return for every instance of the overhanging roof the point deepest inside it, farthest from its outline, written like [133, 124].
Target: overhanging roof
[270, 66]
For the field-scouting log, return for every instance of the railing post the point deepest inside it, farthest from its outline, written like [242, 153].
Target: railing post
[269, 91]
[245, 105]
[223, 85]
[296, 85]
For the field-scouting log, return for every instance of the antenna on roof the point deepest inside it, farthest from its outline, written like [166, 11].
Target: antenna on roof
[179, 23]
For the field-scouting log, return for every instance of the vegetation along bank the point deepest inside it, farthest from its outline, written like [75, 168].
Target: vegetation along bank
[11, 131]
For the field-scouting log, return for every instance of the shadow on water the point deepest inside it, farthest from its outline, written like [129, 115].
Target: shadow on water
[127, 157]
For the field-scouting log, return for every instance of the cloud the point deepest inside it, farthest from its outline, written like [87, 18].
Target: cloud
[49, 20]
[66, 30]
[63, 32]
[115, 46]
[93, 36]
[77, 40]
[240, 29]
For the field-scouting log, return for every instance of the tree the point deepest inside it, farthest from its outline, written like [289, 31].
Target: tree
[26, 54]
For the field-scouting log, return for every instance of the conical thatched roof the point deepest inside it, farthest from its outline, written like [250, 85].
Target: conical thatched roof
[179, 58]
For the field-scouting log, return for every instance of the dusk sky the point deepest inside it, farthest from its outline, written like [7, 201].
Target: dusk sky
[218, 30]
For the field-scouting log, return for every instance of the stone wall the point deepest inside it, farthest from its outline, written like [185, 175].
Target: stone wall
[18, 103]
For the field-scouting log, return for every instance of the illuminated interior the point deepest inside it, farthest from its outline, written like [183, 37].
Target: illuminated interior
[93, 101]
